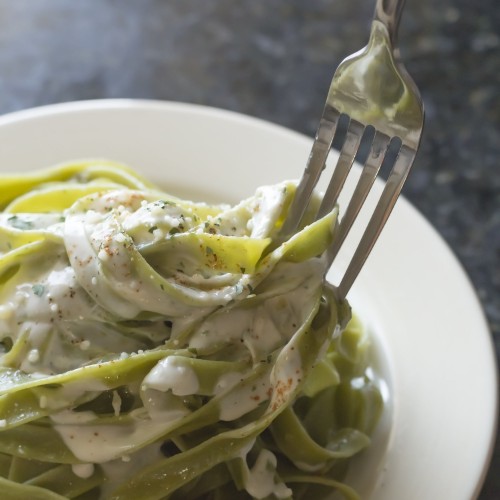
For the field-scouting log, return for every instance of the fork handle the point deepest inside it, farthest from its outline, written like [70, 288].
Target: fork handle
[388, 12]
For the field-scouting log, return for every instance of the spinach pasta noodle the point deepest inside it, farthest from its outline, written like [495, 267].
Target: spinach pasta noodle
[157, 348]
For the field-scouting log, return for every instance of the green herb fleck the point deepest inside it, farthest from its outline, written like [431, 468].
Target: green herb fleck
[18, 223]
[163, 203]
[38, 289]
[152, 229]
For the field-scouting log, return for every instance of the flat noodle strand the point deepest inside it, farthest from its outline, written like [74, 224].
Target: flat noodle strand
[158, 348]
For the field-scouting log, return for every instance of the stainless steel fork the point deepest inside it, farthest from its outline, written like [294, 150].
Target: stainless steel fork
[371, 90]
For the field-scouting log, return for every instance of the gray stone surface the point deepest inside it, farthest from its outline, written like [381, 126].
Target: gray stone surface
[274, 59]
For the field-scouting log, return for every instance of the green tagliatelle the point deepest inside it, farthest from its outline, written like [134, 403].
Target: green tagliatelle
[156, 348]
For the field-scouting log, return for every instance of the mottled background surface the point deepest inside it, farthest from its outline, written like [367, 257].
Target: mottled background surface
[274, 59]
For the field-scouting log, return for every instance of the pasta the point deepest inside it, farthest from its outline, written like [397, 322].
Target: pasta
[157, 348]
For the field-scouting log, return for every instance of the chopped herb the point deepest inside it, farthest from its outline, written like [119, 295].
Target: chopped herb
[38, 289]
[209, 250]
[174, 230]
[18, 223]
[152, 229]
[193, 350]
[163, 203]
[242, 269]
[168, 323]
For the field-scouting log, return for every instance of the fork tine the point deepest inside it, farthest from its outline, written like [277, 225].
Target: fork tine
[342, 168]
[368, 175]
[379, 217]
[315, 165]
[373, 92]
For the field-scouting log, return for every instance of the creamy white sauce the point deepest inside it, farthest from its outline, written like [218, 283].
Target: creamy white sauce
[173, 374]
[68, 417]
[265, 208]
[83, 470]
[102, 443]
[226, 381]
[288, 367]
[245, 399]
[163, 406]
[60, 397]
[116, 403]
[260, 481]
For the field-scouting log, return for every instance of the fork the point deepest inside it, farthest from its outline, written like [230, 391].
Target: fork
[380, 105]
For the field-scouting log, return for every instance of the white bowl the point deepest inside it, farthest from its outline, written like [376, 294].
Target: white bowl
[432, 339]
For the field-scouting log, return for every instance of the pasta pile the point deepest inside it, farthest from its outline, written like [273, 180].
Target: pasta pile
[157, 348]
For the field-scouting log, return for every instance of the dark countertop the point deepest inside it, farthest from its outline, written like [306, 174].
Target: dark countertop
[275, 60]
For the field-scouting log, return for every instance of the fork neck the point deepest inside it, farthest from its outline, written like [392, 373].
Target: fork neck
[388, 12]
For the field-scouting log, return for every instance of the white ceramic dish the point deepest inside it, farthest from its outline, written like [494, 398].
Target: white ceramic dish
[431, 333]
